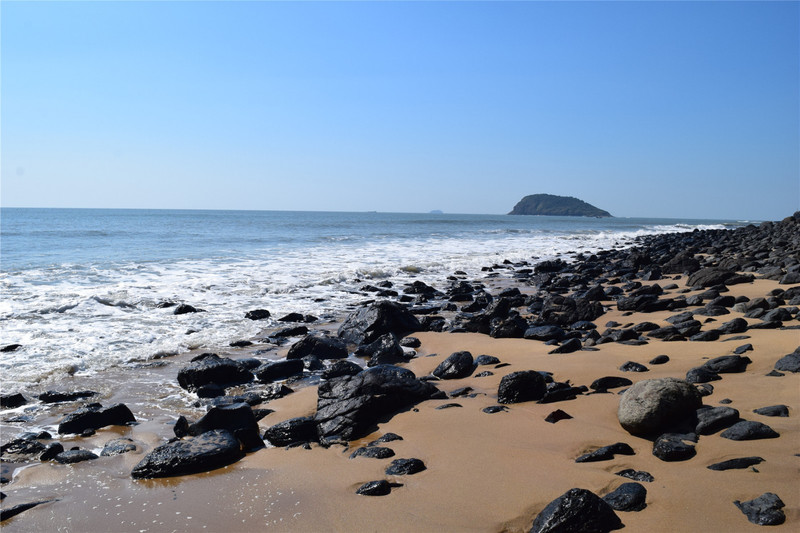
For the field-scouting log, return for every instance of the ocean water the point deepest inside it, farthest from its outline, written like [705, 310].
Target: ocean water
[81, 287]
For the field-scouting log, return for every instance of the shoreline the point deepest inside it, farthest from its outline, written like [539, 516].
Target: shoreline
[485, 472]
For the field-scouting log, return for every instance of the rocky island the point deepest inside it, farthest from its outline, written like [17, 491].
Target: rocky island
[552, 205]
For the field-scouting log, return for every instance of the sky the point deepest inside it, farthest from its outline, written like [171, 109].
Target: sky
[654, 109]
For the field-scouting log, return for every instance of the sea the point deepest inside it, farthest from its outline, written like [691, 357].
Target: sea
[83, 289]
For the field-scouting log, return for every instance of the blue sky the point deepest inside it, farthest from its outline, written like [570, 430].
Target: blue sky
[671, 109]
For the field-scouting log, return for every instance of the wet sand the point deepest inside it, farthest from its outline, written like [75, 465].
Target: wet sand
[485, 472]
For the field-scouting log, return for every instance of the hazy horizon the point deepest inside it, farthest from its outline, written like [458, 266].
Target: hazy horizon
[670, 109]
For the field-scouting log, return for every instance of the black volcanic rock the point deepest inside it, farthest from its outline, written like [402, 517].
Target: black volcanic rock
[368, 323]
[205, 452]
[577, 510]
[521, 386]
[552, 205]
[405, 467]
[211, 368]
[764, 510]
[457, 365]
[738, 463]
[627, 497]
[95, 416]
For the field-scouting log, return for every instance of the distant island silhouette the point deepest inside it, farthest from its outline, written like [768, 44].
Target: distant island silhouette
[552, 205]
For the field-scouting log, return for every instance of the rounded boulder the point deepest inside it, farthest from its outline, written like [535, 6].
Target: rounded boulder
[654, 406]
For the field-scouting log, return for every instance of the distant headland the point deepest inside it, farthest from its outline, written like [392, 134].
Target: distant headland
[552, 205]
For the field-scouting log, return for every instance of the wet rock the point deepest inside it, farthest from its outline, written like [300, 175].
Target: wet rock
[10, 401]
[118, 447]
[21, 449]
[772, 410]
[738, 463]
[95, 416]
[386, 350]
[237, 418]
[257, 314]
[348, 406]
[51, 451]
[448, 406]
[609, 382]
[8, 348]
[764, 510]
[655, 405]
[521, 386]
[300, 429]
[211, 368]
[375, 488]
[713, 419]
[410, 342]
[293, 331]
[319, 346]
[405, 467]
[627, 497]
[10, 512]
[373, 452]
[210, 390]
[606, 453]
[673, 447]
[69, 457]
[52, 396]
[458, 365]
[203, 453]
[340, 368]
[559, 392]
[636, 475]
[577, 510]
[368, 323]
[749, 430]
[278, 370]
[183, 309]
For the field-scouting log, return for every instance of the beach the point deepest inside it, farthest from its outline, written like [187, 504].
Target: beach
[484, 471]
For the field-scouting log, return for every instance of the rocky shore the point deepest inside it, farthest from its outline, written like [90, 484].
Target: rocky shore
[654, 387]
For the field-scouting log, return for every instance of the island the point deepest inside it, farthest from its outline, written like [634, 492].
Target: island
[552, 205]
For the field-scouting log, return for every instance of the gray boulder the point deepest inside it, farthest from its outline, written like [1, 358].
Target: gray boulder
[654, 406]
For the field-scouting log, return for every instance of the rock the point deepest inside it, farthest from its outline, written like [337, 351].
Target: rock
[203, 453]
[388, 437]
[183, 309]
[606, 453]
[237, 418]
[300, 429]
[384, 351]
[789, 362]
[572, 345]
[557, 416]
[559, 392]
[375, 488]
[21, 449]
[713, 419]
[673, 447]
[749, 430]
[373, 452]
[74, 456]
[211, 368]
[636, 475]
[10, 401]
[405, 467]
[52, 396]
[368, 323]
[701, 374]
[521, 386]
[118, 447]
[728, 364]
[609, 382]
[51, 451]
[486, 360]
[293, 331]
[8, 348]
[772, 410]
[705, 336]
[94, 416]
[743, 348]
[348, 406]
[340, 368]
[277, 370]
[458, 365]
[627, 497]
[739, 463]
[410, 342]
[764, 510]
[492, 409]
[210, 390]
[544, 333]
[655, 405]
[257, 314]
[10, 512]
[632, 366]
[579, 511]
[737, 325]
[319, 346]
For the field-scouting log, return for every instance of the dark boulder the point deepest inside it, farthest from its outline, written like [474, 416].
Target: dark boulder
[713, 419]
[457, 365]
[405, 467]
[636, 475]
[749, 430]
[69, 457]
[728, 364]
[701, 374]
[211, 368]
[300, 429]
[609, 382]
[349, 406]
[486, 360]
[52, 396]
[368, 323]
[674, 447]
[375, 488]
[557, 416]
[21, 449]
[319, 346]
[342, 367]
[513, 327]
[205, 452]
[373, 452]
[385, 350]
[95, 416]
[606, 453]
[388, 437]
[10, 401]
[51, 451]
[257, 314]
[773, 410]
[737, 325]
[627, 497]
[632, 366]
[118, 447]
[708, 277]
[521, 386]
[183, 309]
[277, 370]
[572, 345]
[544, 333]
[738, 463]
[10, 512]
[237, 418]
[577, 511]
[789, 362]
[764, 510]
[705, 336]
[659, 360]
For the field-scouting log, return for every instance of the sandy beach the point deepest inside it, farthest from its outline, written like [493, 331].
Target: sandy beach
[485, 472]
